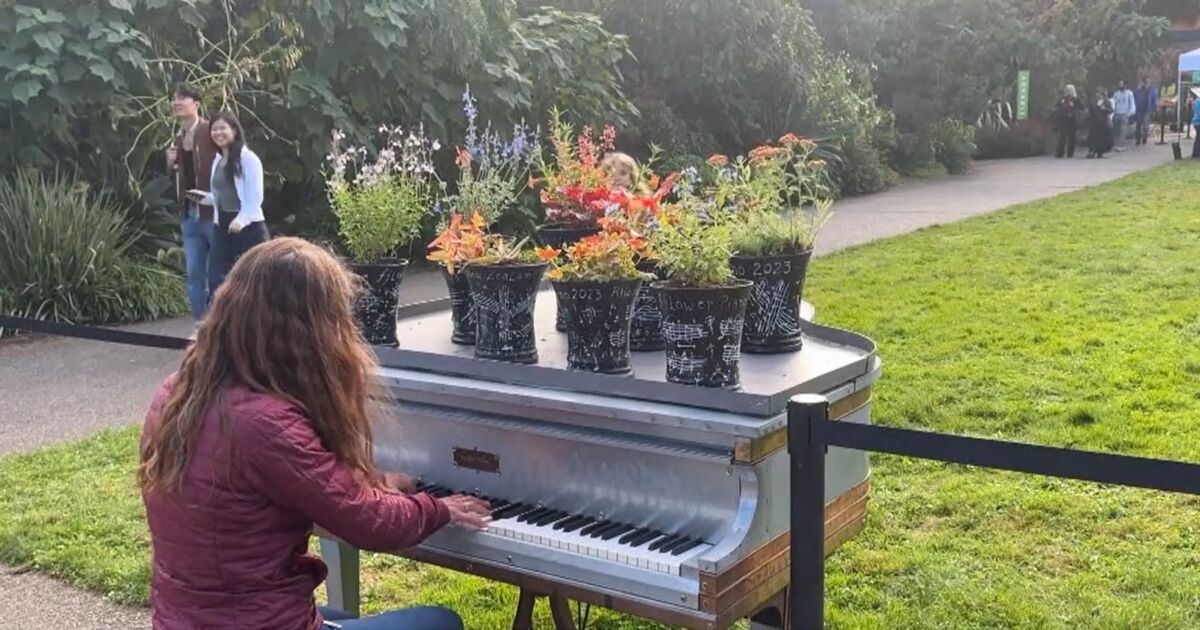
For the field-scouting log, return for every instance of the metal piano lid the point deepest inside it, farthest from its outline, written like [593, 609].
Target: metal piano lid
[830, 358]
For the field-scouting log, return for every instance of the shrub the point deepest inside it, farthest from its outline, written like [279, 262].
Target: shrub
[954, 144]
[1024, 138]
[66, 255]
[861, 169]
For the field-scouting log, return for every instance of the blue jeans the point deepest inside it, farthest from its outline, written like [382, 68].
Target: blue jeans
[426, 618]
[197, 247]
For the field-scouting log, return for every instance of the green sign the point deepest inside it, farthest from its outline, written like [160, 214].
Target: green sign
[1195, 77]
[1023, 95]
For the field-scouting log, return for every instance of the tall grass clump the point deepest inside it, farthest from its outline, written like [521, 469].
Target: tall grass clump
[66, 254]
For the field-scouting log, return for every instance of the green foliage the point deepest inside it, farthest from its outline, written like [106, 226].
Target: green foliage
[771, 233]
[862, 169]
[691, 251]
[1024, 138]
[66, 254]
[954, 141]
[609, 255]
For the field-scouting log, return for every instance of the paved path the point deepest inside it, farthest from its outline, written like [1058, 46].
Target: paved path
[95, 385]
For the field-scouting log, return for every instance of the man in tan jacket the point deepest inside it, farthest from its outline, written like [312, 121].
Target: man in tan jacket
[190, 159]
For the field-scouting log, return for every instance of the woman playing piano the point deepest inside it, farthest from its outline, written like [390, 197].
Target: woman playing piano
[263, 432]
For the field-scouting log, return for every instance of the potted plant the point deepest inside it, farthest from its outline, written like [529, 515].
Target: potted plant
[597, 281]
[702, 303]
[575, 188]
[780, 196]
[457, 245]
[640, 212]
[492, 174]
[504, 284]
[380, 204]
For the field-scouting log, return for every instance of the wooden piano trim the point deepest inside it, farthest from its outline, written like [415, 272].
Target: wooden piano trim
[747, 451]
[753, 580]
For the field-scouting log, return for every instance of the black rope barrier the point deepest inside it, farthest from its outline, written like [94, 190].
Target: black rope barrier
[95, 333]
[810, 433]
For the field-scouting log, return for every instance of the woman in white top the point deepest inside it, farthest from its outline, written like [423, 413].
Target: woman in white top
[236, 191]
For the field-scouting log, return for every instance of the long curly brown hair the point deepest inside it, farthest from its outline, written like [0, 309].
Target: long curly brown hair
[280, 324]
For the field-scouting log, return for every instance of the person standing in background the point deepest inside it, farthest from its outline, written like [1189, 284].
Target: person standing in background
[1124, 110]
[237, 194]
[190, 159]
[1196, 128]
[1066, 116]
[1144, 100]
[1100, 129]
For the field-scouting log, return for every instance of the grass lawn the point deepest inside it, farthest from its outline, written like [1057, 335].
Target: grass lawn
[1072, 321]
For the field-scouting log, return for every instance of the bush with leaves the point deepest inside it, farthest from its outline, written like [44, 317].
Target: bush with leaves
[66, 254]
[1024, 138]
[862, 169]
[954, 143]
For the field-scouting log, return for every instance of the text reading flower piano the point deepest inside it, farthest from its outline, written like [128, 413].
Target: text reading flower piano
[662, 501]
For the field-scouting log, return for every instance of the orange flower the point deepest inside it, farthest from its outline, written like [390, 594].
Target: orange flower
[717, 160]
[546, 253]
[463, 160]
[477, 220]
[764, 153]
[653, 183]
[789, 138]
[637, 244]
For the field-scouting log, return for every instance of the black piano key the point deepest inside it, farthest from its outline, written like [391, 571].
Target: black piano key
[662, 542]
[613, 533]
[497, 505]
[568, 521]
[516, 509]
[587, 531]
[678, 542]
[682, 549]
[528, 516]
[552, 517]
[645, 538]
[624, 540]
[600, 531]
[583, 521]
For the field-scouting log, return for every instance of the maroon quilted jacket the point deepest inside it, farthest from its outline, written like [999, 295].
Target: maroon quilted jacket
[231, 550]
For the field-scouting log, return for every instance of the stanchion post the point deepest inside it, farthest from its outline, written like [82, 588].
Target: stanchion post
[806, 591]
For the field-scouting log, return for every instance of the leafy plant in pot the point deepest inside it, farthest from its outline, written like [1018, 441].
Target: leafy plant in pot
[702, 303]
[638, 214]
[380, 204]
[780, 198]
[504, 284]
[492, 175]
[575, 188]
[598, 281]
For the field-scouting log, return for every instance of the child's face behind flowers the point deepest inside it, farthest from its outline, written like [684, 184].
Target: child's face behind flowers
[622, 171]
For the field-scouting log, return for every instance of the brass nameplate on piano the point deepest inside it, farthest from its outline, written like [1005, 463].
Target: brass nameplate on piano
[476, 460]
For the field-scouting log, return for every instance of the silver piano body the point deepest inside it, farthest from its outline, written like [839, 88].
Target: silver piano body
[707, 467]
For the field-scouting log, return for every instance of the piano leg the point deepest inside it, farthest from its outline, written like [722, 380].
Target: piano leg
[773, 616]
[560, 611]
[342, 585]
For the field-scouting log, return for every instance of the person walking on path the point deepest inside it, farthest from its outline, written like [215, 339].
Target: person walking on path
[190, 160]
[1100, 130]
[1066, 117]
[1145, 99]
[1124, 110]
[237, 194]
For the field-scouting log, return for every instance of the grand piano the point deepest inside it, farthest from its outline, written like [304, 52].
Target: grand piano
[662, 501]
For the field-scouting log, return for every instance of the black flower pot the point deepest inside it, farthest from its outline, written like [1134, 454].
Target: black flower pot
[703, 330]
[504, 297]
[375, 308]
[598, 318]
[462, 307]
[558, 236]
[773, 314]
[645, 332]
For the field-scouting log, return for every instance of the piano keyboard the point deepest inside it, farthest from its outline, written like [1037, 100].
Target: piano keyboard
[594, 536]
